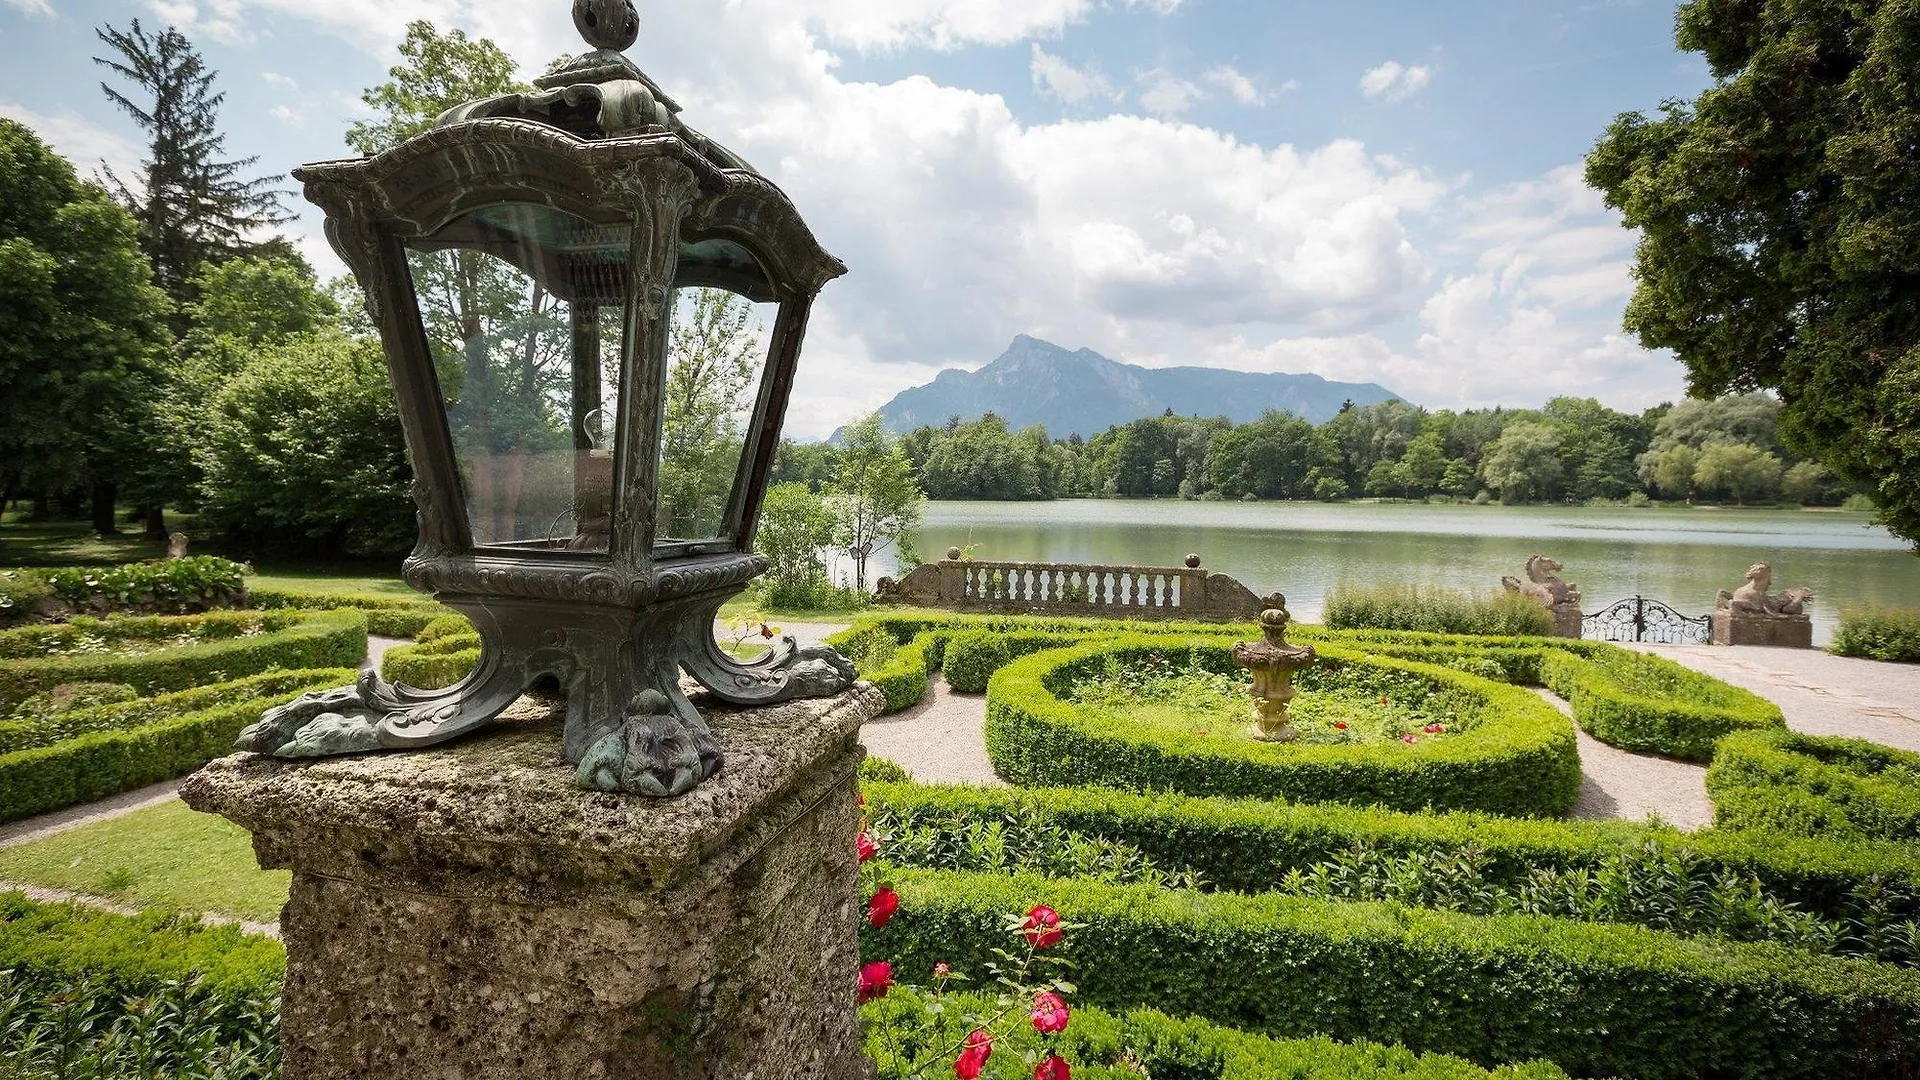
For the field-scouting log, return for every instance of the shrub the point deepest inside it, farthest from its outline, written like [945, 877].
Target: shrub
[1782, 781]
[1146, 1042]
[387, 616]
[434, 663]
[971, 658]
[290, 640]
[1868, 889]
[44, 944]
[169, 587]
[1649, 704]
[70, 696]
[120, 747]
[879, 770]
[1880, 633]
[1434, 610]
[1516, 755]
[1598, 1000]
[76, 1028]
[21, 594]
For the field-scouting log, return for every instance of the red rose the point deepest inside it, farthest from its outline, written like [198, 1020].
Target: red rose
[1050, 1013]
[941, 970]
[1433, 729]
[1409, 739]
[875, 978]
[881, 908]
[1054, 1068]
[974, 1054]
[1042, 926]
[1340, 725]
[866, 847]
[859, 798]
[1383, 699]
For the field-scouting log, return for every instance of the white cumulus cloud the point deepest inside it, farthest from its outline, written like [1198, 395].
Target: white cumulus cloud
[1167, 94]
[41, 8]
[1238, 86]
[80, 141]
[1393, 81]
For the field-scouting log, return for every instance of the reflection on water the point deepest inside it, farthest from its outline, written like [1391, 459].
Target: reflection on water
[1682, 556]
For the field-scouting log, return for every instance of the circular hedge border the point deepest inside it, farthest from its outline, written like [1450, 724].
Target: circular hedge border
[1520, 758]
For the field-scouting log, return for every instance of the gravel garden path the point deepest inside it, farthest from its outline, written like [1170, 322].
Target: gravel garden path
[1821, 694]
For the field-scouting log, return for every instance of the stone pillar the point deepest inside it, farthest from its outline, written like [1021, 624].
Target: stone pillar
[1566, 620]
[467, 912]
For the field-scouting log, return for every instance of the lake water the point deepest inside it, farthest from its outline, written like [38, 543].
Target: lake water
[1681, 556]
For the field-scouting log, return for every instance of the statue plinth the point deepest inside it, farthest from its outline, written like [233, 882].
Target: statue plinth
[469, 912]
[1273, 662]
[1779, 631]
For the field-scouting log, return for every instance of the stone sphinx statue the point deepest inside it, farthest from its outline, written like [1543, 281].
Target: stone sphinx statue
[1544, 586]
[1750, 615]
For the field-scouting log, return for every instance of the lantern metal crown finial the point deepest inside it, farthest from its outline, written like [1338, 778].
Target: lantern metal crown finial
[538, 265]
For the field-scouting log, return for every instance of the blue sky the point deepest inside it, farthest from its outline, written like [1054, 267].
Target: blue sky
[1375, 191]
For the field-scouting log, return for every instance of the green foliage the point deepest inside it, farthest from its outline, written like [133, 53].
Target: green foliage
[972, 657]
[81, 323]
[170, 587]
[1435, 610]
[1524, 463]
[67, 698]
[714, 354]
[387, 616]
[55, 1030]
[1866, 894]
[1017, 845]
[89, 754]
[434, 663]
[302, 452]
[878, 770]
[1516, 754]
[437, 71]
[795, 524]
[21, 592]
[290, 640]
[47, 944]
[1880, 633]
[1785, 782]
[1648, 704]
[1775, 217]
[1597, 999]
[875, 498]
[1145, 1042]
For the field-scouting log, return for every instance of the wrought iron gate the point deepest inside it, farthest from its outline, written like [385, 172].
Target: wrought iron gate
[1640, 619]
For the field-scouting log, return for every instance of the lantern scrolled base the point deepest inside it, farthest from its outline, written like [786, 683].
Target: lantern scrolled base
[630, 726]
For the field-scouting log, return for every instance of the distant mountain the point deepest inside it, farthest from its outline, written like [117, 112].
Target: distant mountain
[1038, 382]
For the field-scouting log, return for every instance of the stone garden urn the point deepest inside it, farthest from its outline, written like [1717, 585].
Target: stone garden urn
[1274, 663]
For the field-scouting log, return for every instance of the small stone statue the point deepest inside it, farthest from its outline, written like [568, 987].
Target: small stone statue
[1544, 586]
[1750, 616]
[177, 545]
[1273, 663]
[1751, 600]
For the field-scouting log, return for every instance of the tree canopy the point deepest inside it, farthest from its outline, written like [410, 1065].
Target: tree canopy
[1779, 218]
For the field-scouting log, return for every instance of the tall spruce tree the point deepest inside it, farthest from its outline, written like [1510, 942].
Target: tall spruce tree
[193, 203]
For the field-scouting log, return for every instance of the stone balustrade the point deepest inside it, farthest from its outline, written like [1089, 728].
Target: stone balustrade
[1126, 592]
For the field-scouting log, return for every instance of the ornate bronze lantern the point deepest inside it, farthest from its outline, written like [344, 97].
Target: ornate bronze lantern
[592, 315]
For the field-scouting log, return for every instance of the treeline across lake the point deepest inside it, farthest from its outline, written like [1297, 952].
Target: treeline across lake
[1573, 450]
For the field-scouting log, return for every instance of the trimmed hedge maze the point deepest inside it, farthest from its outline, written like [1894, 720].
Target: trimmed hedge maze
[174, 693]
[1513, 753]
[1239, 883]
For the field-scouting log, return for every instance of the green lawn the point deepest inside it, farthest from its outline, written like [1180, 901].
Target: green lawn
[166, 856]
[70, 543]
[324, 580]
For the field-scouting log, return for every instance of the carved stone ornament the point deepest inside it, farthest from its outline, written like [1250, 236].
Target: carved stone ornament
[1544, 587]
[611, 615]
[1750, 615]
[1274, 662]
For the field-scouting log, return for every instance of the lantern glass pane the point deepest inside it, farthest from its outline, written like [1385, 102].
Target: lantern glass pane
[523, 309]
[717, 347]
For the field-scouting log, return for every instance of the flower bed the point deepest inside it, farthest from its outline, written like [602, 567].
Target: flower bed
[90, 754]
[1784, 782]
[1597, 1000]
[1508, 751]
[225, 645]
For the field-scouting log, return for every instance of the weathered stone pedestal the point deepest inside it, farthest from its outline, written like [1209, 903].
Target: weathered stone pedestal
[1781, 631]
[467, 912]
[1566, 620]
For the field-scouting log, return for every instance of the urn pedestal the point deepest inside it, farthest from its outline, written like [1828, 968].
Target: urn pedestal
[1780, 631]
[468, 911]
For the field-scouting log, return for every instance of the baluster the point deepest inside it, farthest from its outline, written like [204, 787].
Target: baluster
[1126, 589]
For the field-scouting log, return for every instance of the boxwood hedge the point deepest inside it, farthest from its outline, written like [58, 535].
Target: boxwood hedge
[143, 742]
[1249, 845]
[387, 616]
[1146, 1042]
[1599, 1000]
[290, 640]
[1786, 782]
[1518, 758]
